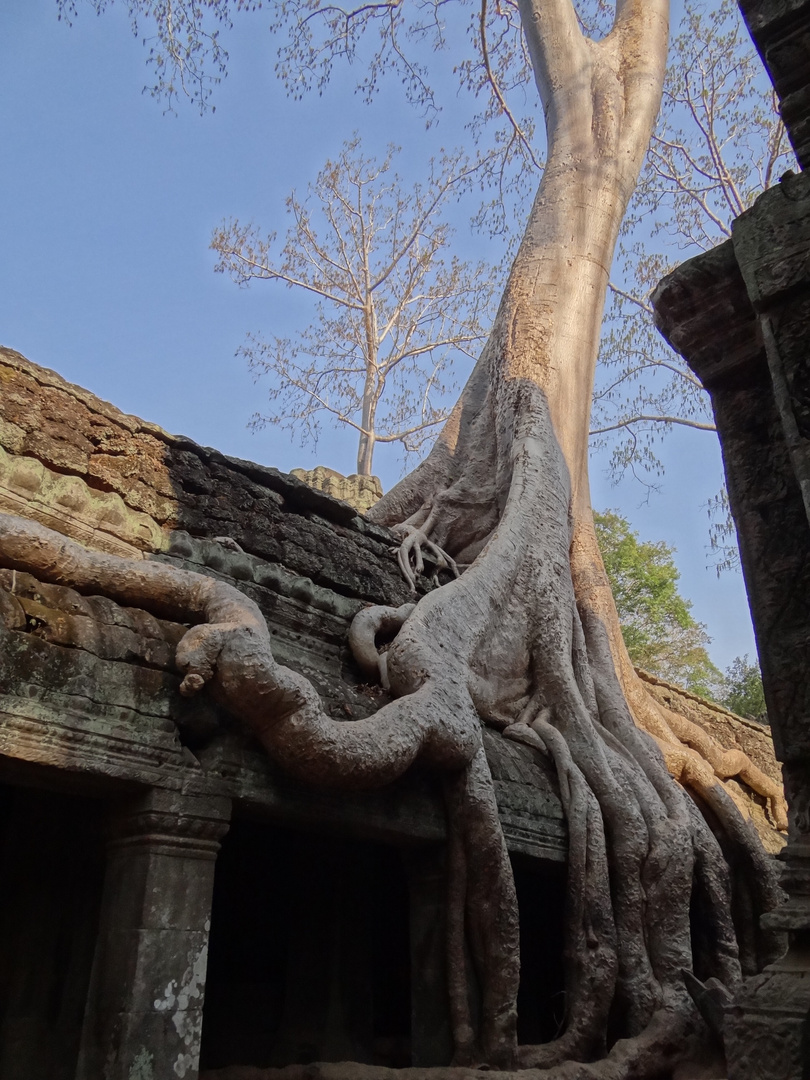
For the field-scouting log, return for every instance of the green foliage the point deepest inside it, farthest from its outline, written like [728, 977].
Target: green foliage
[660, 632]
[742, 689]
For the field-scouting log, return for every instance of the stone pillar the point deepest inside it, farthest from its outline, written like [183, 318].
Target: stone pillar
[719, 310]
[143, 1019]
[767, 1029]
[431, 1038]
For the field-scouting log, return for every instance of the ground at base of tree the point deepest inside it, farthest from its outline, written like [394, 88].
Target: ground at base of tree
[351, 1070]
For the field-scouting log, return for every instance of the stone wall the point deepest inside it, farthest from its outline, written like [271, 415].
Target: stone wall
[90, 706]
[779, 29]
[361, 492]
[308, 560]
[740, 316]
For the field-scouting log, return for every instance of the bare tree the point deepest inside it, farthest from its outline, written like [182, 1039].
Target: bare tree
[527, 639]
[718, 143]
[393, 313]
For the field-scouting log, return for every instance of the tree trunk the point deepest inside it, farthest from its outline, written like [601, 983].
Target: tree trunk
[365, 454]
[366, 443]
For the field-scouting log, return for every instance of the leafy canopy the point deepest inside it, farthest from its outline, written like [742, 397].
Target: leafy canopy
[742, 689]
[660, 632]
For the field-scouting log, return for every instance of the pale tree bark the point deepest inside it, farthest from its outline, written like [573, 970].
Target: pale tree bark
[526, 639]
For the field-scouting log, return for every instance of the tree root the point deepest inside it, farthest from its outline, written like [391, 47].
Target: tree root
[230, 650]
[690, 751]
[528, 633]
[366, 626]
[481, 896]
[415, 540]
[667, 1040]
[433, 720]
[637, 845]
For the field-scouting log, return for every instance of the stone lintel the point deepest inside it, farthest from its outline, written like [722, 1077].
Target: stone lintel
[144, 1008]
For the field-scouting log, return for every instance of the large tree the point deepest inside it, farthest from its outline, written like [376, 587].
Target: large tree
[526, 639]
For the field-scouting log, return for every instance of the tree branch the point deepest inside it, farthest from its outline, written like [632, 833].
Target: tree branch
[557, 49]
[520, 135]
[642, 304]
[682, 421]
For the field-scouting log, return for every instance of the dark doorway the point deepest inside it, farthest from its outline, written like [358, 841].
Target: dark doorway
[309, 951]
[52, 869]
[541, 1000]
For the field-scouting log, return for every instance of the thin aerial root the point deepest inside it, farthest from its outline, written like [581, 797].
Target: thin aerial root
[593, 951]
[638, 992]
[409, 555]
[492, 921]
[678, 732]
[759, 869]
[718, 956]
[591, 964]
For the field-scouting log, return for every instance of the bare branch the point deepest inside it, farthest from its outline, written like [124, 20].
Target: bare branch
[643, 305]
[261, 271]
[391, 312]
[631, 420]
[496, 90]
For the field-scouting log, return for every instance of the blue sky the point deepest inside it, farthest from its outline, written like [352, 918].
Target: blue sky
[106, 211]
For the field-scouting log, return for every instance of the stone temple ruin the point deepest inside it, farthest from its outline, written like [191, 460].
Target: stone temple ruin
[172, 898]
[173, 903]
[738, 314]
[135, 820]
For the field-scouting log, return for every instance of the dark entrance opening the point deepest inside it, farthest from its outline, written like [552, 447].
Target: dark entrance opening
[540, 890]
[52, 870]
[309, 951]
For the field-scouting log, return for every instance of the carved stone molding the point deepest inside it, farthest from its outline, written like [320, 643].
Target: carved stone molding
[766, 1030]
[67, 504]
[361, 492]
[166, 823]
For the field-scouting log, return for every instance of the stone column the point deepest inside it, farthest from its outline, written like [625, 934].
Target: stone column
[431, 1038]
[143, 1018]
[713, 310]
[768, 1029]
